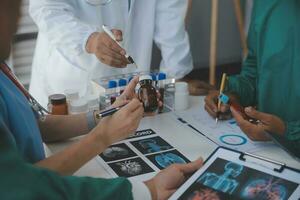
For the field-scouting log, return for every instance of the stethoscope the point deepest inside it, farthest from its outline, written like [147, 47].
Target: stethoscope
[99, 2]
[35, 106]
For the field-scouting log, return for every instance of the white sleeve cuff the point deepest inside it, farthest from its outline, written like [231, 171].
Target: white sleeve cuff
[140, 191]
[87, 35]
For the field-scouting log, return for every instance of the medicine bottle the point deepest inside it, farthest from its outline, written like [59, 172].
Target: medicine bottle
[147, 94]
[58, 104]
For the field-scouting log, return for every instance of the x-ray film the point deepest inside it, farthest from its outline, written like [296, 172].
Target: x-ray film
[165, 159]
[151, 145]
[117, 152]
[131, 167]
[226, 176]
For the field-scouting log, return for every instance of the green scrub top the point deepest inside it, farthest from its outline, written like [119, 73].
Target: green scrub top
[21, 145]
[270, 77]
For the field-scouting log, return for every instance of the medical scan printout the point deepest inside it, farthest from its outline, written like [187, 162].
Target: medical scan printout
[143, 153]
[227, 175]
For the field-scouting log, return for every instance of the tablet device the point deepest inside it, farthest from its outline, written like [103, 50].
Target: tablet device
[229, 174]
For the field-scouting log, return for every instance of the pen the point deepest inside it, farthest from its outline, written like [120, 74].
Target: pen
[224, 76]
[108, 112]
[111, 35]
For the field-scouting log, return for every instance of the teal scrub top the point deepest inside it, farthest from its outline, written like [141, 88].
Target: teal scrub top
[270, 77]
[21, 121]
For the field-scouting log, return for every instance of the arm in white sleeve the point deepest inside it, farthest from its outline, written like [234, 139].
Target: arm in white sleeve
[140, 191]
[172, 38]
[58, 20]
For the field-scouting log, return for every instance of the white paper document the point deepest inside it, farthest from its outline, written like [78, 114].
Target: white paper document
[224, 133]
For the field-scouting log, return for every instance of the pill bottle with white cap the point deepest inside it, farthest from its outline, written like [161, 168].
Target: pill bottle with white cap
[147, 94]
[181, 96]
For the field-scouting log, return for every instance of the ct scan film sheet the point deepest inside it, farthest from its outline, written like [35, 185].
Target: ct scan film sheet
[225, 176]
[143, 153]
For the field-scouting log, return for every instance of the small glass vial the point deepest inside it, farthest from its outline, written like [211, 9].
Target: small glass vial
[161, 84]
[58, 104]
[122, 85]
[112, 91]
[147, 94]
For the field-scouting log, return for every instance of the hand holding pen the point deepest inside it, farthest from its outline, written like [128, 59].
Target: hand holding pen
[107, 49]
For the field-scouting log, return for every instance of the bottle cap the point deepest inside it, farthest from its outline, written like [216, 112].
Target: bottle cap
[112, 84]
[57, 99]
[145, 77]
[79, 106]
[154, 77]
[122, 82]
[181, 87]
[162, 76]
[72, 94]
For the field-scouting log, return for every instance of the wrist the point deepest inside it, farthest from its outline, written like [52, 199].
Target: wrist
[100, 137]
[151, 186]
[91, 42]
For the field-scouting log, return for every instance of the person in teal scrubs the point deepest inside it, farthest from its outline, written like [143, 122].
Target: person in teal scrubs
[270, 76]
[26, 173]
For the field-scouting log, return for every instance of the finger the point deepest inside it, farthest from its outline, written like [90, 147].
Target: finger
[138, 113]
[109, 61]
[224, 108]
[118, 34]
[111, 44]
[132, 106]
[109, 52]
[120, 102]
[132, 84]
[210, 111]
[251, 112]
[190, 167]
[211, 101]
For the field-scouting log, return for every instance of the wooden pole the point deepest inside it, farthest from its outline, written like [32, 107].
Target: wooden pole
[241, 25]
[213, 42]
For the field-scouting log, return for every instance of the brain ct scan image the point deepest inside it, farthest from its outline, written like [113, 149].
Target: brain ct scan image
[117, 152]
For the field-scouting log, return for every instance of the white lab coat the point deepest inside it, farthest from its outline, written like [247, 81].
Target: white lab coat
[61, 61]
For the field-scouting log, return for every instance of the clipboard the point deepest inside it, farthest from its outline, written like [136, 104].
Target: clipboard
[289, 146]
[230, 174]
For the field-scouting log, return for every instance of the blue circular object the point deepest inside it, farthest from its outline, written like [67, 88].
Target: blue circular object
[242, 139]
[122, 82]
[112, 84]
[162, 76]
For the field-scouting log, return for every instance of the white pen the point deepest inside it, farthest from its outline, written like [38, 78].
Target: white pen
[112, 36]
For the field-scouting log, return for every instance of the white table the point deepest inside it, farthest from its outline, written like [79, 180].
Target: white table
[187, 141]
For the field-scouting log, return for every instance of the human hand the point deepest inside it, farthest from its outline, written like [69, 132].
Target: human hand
[257, 132]
[166, 182]
[199, 88]
[211, 105]
[107, 50]
[129, 93]
[121, 124]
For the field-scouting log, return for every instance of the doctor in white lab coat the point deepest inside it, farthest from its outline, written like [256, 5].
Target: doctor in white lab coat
[72, 48]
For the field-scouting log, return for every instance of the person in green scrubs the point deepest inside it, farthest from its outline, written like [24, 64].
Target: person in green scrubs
[269, 83]
[26, 173]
